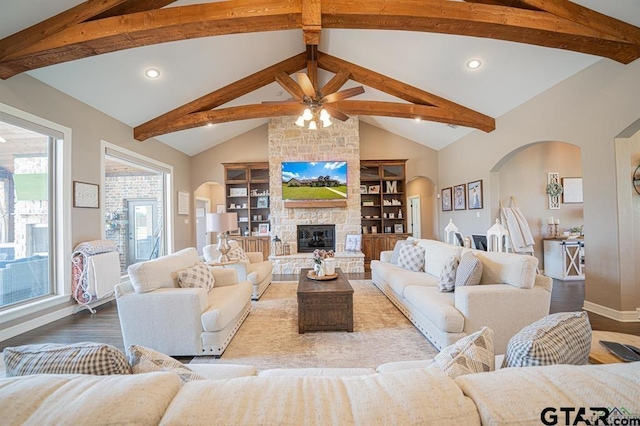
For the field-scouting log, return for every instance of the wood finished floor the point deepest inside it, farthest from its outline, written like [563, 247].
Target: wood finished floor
[104, 326]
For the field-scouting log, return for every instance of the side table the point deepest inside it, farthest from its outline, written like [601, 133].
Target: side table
[601, 355]
[230, 262]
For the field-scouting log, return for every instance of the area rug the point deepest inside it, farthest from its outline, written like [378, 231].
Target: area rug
[269, 336]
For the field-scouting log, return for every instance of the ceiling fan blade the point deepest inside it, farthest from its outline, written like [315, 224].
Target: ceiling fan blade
[336, 82]
[306, 85]
[334, 113]
[290, 85]
[343, 94]
[287, 102]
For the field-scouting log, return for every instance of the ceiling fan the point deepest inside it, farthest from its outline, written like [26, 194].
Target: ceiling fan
[318, 109]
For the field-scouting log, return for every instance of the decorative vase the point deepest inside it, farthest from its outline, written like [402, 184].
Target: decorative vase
[329, 266]
[318, 268]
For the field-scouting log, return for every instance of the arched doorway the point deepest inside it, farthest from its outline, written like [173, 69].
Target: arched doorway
[423, 189]
[209, 198]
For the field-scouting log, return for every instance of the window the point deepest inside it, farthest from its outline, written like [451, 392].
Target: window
[32, 231]
[135, 203]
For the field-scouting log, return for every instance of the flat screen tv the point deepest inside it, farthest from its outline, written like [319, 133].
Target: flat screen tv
[314, 180]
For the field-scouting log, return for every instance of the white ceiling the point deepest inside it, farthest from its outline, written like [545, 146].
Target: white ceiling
[114, 83]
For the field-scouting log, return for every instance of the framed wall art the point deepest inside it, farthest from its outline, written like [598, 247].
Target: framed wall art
[474, 190]
[86, 195]
[183, 202]
[353, 242]
[571, 190]
[446, 200]
[263, 229]
[459, 197]
[263, 202]
[374, 189]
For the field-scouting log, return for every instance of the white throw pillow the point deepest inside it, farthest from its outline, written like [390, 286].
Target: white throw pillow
[561, 338]
[146, 360]
[447, 280]
[236, 251]
[469, 270]
[397, 247]
[471, 354]
[198, 276]
[411, 258]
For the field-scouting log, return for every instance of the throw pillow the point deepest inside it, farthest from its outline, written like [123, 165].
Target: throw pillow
[411, 257]
[471, 354]
[562, 338]
[448, 275]
[146, 360]
[397, 247]
[198, 276]
[236, 251]
[77, 358]
[469, 270]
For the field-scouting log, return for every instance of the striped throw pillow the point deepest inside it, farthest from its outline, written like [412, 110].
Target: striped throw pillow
[411, 258]
[78, 358]
[146, 360]
[562, 338]
[469, 270]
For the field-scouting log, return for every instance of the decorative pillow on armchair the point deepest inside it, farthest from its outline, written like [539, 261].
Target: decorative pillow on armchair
[198, 276]
[146, 360]
[411, 258]
[562, 338]
[236, 251]
[471, 354]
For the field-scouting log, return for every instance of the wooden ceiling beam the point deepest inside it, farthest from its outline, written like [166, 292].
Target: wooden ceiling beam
[509, 3]
[402, 110]
[290, 85]
[312, 65]
[222, 96]
[399, 89]
[478, 20]
[225, 115]
[311, 21]
[134, 6]
[38, 32]
[336, 82]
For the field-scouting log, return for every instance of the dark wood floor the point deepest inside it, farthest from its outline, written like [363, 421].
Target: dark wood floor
[104, 326]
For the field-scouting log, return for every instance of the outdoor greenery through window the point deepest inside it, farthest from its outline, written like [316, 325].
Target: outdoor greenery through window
[135, 211]
[26, 214]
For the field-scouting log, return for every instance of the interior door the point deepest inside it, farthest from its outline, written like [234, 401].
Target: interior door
[202, 239]
[142, 230]
[414, 217]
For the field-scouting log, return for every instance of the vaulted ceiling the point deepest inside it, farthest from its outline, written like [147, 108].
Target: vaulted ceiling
[220, 60]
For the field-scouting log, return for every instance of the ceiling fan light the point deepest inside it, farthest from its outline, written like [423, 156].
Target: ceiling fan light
[326, 123]
[307, 114]
[324, 115]
[312, 125]
[300, 121]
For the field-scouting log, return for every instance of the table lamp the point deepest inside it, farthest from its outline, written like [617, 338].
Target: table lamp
[222, 223]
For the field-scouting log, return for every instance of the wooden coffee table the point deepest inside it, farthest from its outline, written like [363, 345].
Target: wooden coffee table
[601, 355]
[324, 305]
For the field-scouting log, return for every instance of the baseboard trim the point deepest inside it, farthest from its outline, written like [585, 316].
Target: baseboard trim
[622, 316]
[10, 332]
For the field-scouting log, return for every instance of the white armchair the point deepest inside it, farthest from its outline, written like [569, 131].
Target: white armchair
[157, 313]
[256, 270]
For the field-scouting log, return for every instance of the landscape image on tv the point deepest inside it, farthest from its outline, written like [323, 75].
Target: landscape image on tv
[316, 180]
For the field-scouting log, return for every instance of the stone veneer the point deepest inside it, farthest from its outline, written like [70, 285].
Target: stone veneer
[340, 142]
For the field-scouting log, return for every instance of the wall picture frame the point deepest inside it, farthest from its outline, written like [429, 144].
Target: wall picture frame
[445, 197]
[353, 242]
[262, 202]
[183, 202]
[237, 192]
[263, 229]
[571, 190]
[398, 228]
[475, 194]
[86, 195]
[459, 197]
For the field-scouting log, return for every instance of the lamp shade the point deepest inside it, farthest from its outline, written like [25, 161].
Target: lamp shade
[222, 222]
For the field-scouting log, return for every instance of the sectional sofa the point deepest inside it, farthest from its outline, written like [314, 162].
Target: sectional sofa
[396, 394]
[510, 296]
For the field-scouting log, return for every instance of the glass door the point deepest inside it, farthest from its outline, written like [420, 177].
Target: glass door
[143, 231]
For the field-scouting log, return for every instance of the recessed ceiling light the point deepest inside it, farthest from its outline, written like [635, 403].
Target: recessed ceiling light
[152, 73]
[2, 140]
[418, 119]
[474, 64]
[209, 124]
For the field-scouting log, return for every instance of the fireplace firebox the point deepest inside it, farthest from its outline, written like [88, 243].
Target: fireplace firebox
[312, 237]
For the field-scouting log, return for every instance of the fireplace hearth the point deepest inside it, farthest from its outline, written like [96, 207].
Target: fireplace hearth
[312, 237]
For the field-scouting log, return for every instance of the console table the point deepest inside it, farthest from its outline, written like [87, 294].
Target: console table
[564, 259]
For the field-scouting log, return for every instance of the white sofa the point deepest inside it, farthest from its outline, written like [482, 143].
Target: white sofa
[510, 296]
[157, 313]
[256, 270]
[235, 395]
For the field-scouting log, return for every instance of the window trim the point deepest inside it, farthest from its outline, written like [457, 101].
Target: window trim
[61, 209]
[110, 148]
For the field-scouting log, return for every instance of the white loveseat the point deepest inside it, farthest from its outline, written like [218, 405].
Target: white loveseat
[256, 270]
[157, 313]
[510, 296]
[234, 395]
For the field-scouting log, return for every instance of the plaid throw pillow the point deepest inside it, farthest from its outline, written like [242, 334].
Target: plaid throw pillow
[411, 257]
[78, 358]
[448, 275]
[145, 360]
[236, 251]
[198, 276]
[562, 338]
[397, 247]
[471, 354]
[469, 270]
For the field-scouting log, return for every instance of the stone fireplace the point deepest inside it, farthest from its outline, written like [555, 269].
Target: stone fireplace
[340, 142]
[312, 237]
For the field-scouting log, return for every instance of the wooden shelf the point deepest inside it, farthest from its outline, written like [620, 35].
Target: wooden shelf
[249, 177]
